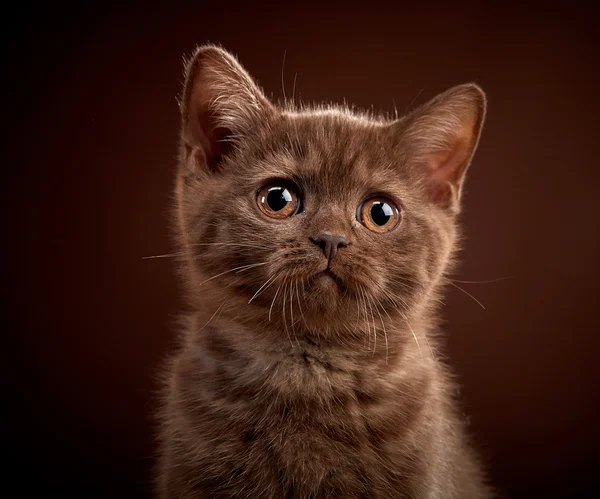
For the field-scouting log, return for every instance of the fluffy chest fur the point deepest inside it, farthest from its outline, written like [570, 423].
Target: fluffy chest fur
[307, 421]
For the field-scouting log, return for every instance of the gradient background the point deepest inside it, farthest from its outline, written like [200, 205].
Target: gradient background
[91, 139]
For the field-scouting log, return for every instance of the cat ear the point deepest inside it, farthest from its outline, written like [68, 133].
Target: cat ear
[441, 137]
[220, 103]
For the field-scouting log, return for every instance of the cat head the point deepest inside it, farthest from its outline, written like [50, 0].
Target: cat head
[319, 212]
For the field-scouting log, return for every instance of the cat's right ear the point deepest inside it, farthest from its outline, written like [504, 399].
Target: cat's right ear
[441, 137]
[220, 104]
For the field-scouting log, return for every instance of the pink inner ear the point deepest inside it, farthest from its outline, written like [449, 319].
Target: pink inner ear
[446, 168]
[203, 130]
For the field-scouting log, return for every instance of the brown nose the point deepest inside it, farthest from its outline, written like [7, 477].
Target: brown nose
[330, 243]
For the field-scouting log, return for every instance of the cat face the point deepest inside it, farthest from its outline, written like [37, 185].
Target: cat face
[317, 213]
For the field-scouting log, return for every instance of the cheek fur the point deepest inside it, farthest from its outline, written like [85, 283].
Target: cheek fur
[402, 263]
[424, 256]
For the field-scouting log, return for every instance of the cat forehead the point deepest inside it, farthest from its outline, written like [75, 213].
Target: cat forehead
[328, 151]
[332, 126]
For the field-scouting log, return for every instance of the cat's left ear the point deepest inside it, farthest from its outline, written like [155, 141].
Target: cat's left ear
[441, 137]
[221, 103]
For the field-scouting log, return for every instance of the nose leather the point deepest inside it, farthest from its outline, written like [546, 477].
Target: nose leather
[329, 244]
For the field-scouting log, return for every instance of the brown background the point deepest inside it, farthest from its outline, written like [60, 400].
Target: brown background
[91, 132]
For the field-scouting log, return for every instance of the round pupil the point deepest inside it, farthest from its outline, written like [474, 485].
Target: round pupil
[381, 213]
[278, 198]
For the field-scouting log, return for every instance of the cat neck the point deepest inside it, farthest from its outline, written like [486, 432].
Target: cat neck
[385, 342]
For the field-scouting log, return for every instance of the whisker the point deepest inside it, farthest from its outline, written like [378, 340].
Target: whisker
[407, 283]
[374, 327]
[294, 89]
[271, 280]
[243, 245]
[481, 282]
[357, 324]
[412, 101]
[395, 300]
[284, 294]
[366, 319]
[384, 333]
[291, 307]
[299, 305]
[240, 269]
[429, 346]
[183, 253]
[252, 266]
[358, 308]
[168, 255]
[273, 302]
[468, 294]
[292, 314]
[219, 310]
[413, 332]
[282, 82]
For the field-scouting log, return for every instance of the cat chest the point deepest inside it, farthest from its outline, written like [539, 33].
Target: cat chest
[310, 452]
[307, 424]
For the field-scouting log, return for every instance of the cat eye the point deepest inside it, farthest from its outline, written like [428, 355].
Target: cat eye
[278, 201]
[379, 214]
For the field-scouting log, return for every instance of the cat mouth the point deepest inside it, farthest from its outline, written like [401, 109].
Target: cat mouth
[328, 277]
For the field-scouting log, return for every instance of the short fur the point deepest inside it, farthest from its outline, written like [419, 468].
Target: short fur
[285, 385]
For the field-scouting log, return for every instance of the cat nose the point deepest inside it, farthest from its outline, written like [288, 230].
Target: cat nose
[330, 243]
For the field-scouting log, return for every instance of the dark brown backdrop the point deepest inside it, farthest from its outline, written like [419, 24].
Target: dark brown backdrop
[91, 132]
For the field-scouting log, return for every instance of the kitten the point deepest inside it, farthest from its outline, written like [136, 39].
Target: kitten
[314, 244]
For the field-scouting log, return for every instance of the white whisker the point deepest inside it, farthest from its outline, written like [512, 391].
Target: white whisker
[183, 253]
[384, 333]
[251, 266]
[299, 305]
[362, 309]
[168, 255]
[291, 289]
[489, 281]
[217, 311]
[242, 245]
[282, 80]
[468, 294]
[374, 327]
[271, 280]
[239, 269]
[273, 302]
[413, 332]
[294, 88]
[284, 294]
[429, 346]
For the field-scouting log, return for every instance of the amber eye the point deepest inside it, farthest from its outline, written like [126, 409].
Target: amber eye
[277, 201]
[379, 214]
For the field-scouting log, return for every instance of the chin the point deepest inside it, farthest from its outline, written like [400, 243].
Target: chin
[326, 296]
[326, 282]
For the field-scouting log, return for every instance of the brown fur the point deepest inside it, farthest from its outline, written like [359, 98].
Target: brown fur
[285, 386]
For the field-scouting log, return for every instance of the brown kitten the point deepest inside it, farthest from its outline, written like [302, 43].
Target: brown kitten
[314, 244]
